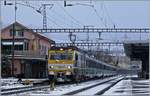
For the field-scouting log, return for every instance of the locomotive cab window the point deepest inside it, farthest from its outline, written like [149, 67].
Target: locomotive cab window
[61, 56]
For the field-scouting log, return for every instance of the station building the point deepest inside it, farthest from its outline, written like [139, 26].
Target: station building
[30, 52]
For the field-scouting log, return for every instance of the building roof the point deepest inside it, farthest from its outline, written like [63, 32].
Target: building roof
[24, 27]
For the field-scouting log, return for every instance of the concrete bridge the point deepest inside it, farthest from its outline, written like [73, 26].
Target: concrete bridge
[139, 50]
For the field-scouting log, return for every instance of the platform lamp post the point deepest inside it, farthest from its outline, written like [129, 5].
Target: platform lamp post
[13, 37]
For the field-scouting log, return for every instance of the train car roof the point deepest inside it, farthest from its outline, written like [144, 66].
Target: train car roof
[101, 62]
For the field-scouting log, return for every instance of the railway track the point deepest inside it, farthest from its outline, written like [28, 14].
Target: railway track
[39, 87]
[82, 91]
[20, 90]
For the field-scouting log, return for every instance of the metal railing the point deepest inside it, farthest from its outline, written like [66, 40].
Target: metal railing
[26, 53]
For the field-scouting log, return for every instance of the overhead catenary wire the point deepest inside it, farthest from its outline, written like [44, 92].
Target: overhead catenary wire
[60, 20]
[94, 11]
[28, 5]
[74, 19]
[108, 15]
[52, 11]
[100, 18]
[53, 21]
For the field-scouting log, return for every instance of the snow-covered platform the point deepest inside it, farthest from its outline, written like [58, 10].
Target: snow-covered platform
[8, 83]
[130, 86]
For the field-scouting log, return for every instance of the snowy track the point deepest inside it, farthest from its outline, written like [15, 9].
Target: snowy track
[70, 88]
[130, 87]
[10, 89]
[98, 88]
[20, 90]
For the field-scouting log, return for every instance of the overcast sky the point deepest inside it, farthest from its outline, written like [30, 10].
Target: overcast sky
[104, 14]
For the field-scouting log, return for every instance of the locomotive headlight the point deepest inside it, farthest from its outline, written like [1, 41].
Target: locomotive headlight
[51, 73]
[68, 73]
[51, 67]
[69, 67]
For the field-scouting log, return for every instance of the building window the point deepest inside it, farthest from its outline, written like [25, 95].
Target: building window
[26, 46]
[18, 47]
[11, 33]
[18, 33]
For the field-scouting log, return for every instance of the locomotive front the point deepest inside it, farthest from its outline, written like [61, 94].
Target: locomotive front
[60, 63]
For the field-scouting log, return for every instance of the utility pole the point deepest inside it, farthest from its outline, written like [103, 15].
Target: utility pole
[41, 10]
[13, 37]
[45, 15]
[13, 43]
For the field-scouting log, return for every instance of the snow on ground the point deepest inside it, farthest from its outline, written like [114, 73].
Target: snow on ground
[11, 83]
[8, 83]
[8, 86]
[97, 89]
[94, 90]
[131, 76]
[130, 87]
[125, 84]
[60, 90]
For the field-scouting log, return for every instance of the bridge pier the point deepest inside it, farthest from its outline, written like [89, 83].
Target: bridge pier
[145, 66]
[139, 50]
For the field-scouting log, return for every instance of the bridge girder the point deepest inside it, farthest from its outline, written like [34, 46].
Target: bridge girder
[92, 30]
[91, 44]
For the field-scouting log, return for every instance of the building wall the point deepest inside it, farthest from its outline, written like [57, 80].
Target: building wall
[36, 43]
[17, 67]
[35, 40]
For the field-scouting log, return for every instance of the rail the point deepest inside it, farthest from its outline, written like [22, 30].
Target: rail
[95, 85]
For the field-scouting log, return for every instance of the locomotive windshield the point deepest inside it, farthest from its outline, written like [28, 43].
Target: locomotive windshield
[61, 56]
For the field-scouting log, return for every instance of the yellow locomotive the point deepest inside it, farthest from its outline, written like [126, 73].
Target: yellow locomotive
[60, 62]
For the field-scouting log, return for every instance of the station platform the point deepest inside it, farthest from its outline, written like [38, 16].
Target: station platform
[131, 86]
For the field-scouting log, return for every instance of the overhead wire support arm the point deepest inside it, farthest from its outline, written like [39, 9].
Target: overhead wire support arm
[91, 44]
[92, 30]
[41, 10]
